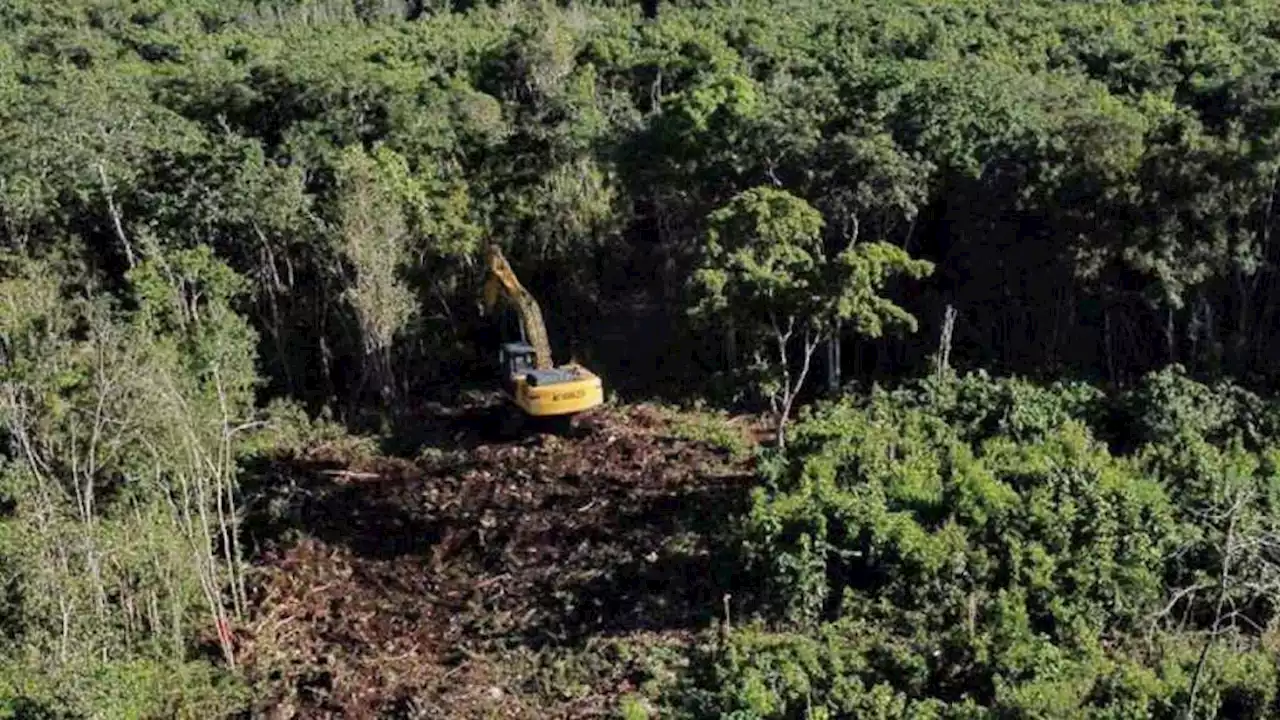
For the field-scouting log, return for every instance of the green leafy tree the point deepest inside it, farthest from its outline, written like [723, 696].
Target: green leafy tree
[764, 266]
[374, 237]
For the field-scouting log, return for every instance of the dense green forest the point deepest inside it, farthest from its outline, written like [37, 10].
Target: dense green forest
[1010, 267]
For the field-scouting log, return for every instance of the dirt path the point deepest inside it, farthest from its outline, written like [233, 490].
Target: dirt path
[500, 580]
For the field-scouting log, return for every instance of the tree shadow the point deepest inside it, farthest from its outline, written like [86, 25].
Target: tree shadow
[478, 420]
[481, 418]
[289, 498]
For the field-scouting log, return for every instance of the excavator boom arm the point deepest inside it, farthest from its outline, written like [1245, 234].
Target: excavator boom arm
[502, 281]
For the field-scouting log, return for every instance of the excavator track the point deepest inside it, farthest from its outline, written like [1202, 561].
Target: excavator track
[509, 422]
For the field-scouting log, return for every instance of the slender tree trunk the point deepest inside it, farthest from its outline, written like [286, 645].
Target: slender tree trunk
[944, 341]
[731, 346]
[789, 391]
[1108, 343]
[1240, 343]
[276, 326]
[116, 221]
[833, 360]
[1223, 578]
[326, 366]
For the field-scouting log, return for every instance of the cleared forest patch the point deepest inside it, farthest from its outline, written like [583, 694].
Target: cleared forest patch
[533, 578]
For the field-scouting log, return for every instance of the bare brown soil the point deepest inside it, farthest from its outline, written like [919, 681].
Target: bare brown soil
[532, 578]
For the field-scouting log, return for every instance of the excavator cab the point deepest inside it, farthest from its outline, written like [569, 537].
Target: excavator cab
[517, 358]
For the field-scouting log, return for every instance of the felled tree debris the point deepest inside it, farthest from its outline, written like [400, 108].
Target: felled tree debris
[390, 588]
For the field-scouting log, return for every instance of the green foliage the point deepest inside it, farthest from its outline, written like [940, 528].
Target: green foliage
[852, 668]
[373, 237]
[189, 296]
[966, 547]
[763, 251]
[894, 500]
[764, 267]
[288, 428]
[633, 708]
[776, 675]
[711, 427]
[1169, 406]
[978, 407]
[136, 689]
[764, 259]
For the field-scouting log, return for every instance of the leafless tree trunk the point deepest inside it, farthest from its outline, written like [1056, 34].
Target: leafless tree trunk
[943, 362]
[1249, 570]
[731, 345]
[1223, 578]
[203, 508]
[833, 360]
[116, 221]
[785, 397]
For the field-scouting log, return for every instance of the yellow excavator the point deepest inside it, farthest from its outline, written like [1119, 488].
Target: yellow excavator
[530, 379]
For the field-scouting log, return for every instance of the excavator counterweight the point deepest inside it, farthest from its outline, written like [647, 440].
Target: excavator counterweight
[531, 379]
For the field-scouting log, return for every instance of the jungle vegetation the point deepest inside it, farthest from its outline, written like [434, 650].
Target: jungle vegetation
[1010, 266]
